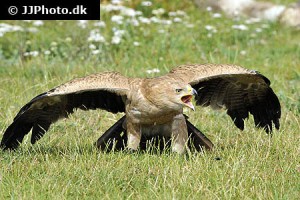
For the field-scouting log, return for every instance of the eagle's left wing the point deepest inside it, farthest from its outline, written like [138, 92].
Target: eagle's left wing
[234, 88]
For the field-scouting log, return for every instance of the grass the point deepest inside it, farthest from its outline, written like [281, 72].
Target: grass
[64, 164]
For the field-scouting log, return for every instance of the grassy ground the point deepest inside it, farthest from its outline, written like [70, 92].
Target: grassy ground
[66, 165]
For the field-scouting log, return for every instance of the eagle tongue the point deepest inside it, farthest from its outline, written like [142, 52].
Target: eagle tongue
[190, 105]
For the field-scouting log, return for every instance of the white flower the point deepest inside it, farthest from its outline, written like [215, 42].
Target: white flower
[110, 7]
[82, 23]
[32, 30]
[135, 43]
[96, 51]
[146, 3]
[161, 31]
[152, 71]
[117, 19]
[116, 39]
[252, 20]
[177, 19]
[209, 27]
[92, 46]
[31, 53]
[166, 22]
[95, 36]
[38, 23]
[144, 20]
[241, 27]
[258, 30]
[243, 52]
[118, 32]
[155, 20]
[47, 52]
[209, 9]
[159, 11]
[172, 14]
[133, 21]
[4, 28]
[116, 1]
[216, 15]
[129, 12]
[68, 39]
[100, 24]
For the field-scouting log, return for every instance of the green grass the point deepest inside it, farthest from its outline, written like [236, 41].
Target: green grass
[64, 164]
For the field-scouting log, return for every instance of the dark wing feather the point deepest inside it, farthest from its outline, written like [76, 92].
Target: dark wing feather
[236, 89]
[59, 102]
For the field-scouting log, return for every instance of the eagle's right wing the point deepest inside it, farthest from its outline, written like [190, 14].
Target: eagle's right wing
[107, 91]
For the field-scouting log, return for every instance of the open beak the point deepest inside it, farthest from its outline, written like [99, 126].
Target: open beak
[187, 99]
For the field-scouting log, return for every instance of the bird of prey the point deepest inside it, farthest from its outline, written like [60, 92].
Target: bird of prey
[153, 106]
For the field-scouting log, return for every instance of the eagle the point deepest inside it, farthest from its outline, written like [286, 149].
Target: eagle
[153, 106]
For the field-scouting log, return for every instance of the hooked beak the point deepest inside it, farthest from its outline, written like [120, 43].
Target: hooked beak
[187, 99]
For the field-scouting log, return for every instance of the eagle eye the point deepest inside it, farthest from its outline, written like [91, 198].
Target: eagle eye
[178, 90]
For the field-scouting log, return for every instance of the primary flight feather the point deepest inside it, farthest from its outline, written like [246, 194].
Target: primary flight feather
[153, 106]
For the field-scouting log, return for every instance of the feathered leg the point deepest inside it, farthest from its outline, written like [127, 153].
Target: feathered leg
[118, 134]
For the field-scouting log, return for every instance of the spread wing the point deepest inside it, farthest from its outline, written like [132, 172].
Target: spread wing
[238, 90]
[107, 91]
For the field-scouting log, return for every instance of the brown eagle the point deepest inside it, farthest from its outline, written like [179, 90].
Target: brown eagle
[153, 106]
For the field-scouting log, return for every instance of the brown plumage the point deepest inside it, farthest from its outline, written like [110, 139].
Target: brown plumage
[153, 106]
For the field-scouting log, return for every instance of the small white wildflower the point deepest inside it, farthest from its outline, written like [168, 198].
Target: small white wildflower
[82, 23]
[68, 39]
[111, 7]
[32, 30]
[144, 20]
[252, 20]
[38, 23]
[92, 46]
[47, 52]
[96, 51]
[216, 15]
[116, 39]
[34, 53]
[135, 43]
[146, 3]
[166, 22]
[241, 27]
[172, 14]
[152, 71]
[258, 30]
[117, 19]
[209, 27]
[100, 24]
[129, 12]
[116, 1]
[181, 13]
[133, 21]
[209, 9]
[155, 20]
[53, 43]
[118, 32]
[159, 11]
[177, 19]
[95, 36]
[243, 52]
[31, 53]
